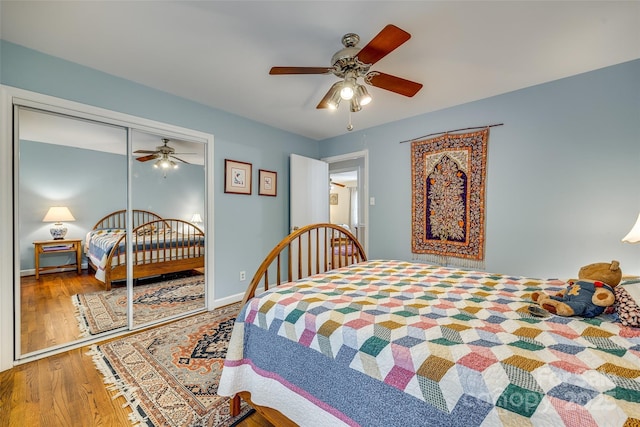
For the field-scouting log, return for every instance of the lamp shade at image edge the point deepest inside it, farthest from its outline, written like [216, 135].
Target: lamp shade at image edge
[633, 236]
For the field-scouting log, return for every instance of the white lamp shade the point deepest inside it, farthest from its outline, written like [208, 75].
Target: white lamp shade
[196, 218]
[634, 235]
[58, 214]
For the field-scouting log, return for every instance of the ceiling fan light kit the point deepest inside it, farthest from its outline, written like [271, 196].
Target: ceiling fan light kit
[165, 163]
[334, 96]
[164, 156]
[348, 86]
[362, 94]
[351, 63]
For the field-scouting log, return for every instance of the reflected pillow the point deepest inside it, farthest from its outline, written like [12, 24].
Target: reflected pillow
[146, 230]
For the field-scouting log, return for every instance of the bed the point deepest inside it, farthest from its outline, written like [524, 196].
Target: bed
[342, 247]
[393, 343]
[159, 246]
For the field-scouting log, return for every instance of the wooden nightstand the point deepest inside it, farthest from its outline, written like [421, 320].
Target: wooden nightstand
[56, 247]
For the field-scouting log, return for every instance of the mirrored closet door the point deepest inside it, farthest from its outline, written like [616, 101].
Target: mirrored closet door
[168, 237]
[110, 224]
[70, 173]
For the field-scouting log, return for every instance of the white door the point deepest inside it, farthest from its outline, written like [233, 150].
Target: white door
[309, 204]
[308, 191]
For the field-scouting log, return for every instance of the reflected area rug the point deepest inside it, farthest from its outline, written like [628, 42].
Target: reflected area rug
[169, 375]
[103, 311]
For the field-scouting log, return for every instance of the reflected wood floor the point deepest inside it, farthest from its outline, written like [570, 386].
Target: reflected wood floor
[48, 317]
[64, 389]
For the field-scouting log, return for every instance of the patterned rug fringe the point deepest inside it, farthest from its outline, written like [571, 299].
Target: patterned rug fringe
[113, 383]
[80, 317]
[448, 261]
[184, 360]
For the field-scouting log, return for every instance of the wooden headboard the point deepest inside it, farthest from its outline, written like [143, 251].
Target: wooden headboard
[312, 249]
[118, 219]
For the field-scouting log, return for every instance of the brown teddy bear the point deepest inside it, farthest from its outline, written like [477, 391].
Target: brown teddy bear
[588, 296]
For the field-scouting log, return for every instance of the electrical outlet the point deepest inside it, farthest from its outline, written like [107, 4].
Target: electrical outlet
[243, 275]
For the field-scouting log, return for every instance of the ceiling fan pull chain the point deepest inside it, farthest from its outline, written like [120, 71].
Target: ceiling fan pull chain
[349, 126]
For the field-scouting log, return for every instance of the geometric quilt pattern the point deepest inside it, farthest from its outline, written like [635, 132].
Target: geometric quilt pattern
[445, 335]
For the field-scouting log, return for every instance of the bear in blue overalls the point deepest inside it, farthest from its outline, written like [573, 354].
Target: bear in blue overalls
[588, 296]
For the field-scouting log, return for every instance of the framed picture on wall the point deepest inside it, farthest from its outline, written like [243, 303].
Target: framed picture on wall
[267, 183]
[333, 198]
[237, 177]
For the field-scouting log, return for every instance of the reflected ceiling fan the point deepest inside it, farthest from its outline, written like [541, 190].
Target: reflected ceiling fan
[352, 63]
[164, 155]
[332, 182]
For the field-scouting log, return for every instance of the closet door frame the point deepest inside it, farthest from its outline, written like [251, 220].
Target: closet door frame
[9, 266]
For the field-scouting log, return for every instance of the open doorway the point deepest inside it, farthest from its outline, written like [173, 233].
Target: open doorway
[348, 193]
[343, 199]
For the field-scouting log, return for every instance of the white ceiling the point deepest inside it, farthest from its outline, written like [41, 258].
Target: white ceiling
[219, 53]
[349, 177]
[51, 128]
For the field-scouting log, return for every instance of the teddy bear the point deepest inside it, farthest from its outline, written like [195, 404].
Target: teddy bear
[588, 296]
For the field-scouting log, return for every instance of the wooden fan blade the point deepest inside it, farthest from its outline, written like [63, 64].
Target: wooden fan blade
[300, 70]
[392, 83]
[338, 184]
[145, 151]
[179, 159]
[385, 42]
[324, 103]
[146, 158]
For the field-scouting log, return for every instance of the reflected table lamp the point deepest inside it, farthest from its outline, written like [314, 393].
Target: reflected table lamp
[57, 214]
[196, 220]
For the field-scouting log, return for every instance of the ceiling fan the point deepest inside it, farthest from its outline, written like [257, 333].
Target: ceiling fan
[332, 182]
[164, 155]
[351, 63]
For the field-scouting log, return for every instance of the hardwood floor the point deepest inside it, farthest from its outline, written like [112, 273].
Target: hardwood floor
[64, 389]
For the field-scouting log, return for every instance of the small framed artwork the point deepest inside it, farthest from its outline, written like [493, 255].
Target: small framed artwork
[333, 198]
[237, 177]
[268, 183]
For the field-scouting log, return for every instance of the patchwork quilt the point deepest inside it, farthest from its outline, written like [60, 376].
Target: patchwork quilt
[390, 343]
[98, 244]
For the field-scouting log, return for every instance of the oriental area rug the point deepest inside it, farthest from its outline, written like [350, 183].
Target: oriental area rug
[169, 375]
[103, 311]
[448, 198]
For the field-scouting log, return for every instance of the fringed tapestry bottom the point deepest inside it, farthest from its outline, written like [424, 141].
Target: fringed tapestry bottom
[448, 261]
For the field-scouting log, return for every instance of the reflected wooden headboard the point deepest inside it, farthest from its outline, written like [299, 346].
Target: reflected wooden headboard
[118, 219]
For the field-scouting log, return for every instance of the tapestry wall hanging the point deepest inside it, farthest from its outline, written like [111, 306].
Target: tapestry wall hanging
[448, 174]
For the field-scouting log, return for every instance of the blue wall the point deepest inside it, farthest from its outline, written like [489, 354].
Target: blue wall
[246, 227]
[562, 180]
[93, 184]
[52, 175]
[562, 177]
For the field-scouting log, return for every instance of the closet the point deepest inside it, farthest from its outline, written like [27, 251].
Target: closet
[84, 163]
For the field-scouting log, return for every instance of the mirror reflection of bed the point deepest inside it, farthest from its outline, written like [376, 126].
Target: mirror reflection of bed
[64, 161]
[168, 264]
